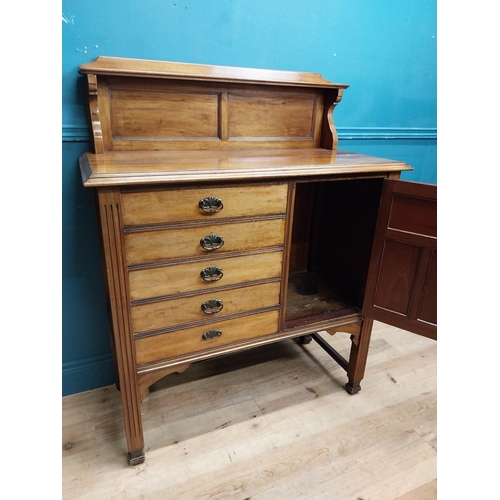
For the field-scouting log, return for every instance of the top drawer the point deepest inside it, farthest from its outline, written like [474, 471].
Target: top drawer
[176, 205]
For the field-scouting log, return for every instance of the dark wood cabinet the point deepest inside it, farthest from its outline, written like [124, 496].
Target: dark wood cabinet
[402, 282]
[229, 220]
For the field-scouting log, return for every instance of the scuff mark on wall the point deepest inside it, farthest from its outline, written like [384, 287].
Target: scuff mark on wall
[68, 19]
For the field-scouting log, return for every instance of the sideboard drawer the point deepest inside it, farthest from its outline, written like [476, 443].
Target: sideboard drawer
[176, 205]
[204, 307]
[203, 275]
[167, 244]
[191, 340]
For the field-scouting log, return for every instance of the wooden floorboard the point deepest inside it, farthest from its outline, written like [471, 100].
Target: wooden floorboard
[272, 423]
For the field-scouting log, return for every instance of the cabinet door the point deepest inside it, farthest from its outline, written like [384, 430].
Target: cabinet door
[401, 288]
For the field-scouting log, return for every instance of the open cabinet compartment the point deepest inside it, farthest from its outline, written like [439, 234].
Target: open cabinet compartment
[332, 235]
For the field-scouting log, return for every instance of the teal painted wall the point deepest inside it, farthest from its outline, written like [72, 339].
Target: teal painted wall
[385, 50]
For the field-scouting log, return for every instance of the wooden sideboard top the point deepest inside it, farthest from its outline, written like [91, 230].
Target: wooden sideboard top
[118, 66]
[158, 122]
[151, 167]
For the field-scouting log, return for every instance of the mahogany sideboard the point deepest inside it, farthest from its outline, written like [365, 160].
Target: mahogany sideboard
[228, 220]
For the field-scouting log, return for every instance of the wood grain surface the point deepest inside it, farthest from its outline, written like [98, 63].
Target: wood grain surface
[178, 205]
[162, 245]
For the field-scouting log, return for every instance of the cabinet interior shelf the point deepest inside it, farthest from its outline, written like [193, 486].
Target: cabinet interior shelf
[311, 299]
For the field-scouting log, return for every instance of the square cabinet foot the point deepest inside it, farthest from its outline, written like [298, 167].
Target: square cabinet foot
[352, 390]
[136, 458]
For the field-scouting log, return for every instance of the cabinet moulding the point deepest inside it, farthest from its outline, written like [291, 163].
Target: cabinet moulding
[79, 133]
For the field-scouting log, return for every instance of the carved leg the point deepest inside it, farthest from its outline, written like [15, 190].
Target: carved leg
[134, 434]
[107, 292]
[113, 346]
[116, 279]
[358, 357]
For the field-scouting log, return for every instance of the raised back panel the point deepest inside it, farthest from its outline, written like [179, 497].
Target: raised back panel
[148, 105]
[264, 115]
[153, 114]
[163, 115]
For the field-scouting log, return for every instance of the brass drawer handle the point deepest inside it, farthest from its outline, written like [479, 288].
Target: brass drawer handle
[211, 273]
[212, 242]
[211, 334]
[212, 306]
[211, 205]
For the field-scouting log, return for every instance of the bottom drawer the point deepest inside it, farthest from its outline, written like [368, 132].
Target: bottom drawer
[190, 340]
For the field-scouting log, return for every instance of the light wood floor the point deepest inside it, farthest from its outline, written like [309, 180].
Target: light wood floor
[272, 423]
